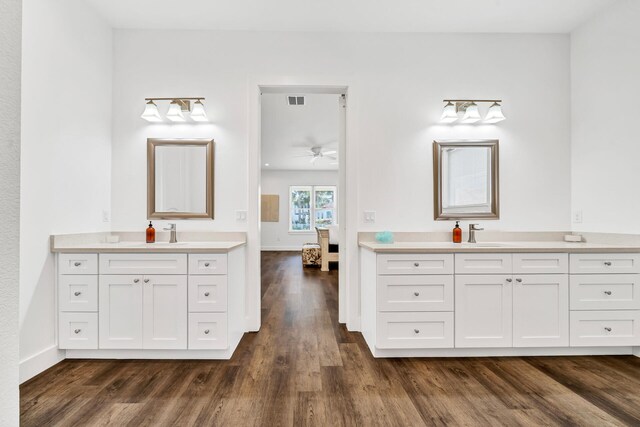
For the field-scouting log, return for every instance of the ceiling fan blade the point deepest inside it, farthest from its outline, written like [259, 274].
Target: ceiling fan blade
[330, 152]
[333, 157]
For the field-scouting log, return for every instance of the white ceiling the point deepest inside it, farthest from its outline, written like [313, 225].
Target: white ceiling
[290, 131]
[486, 16]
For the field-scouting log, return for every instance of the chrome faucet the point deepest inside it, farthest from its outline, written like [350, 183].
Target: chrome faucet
[172, 229]
[472, 232]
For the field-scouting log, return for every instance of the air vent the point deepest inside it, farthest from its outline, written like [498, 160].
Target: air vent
[295, 100]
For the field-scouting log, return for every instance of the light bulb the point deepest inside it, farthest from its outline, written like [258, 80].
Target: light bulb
[198, 114]
[151, 113]
[494, 115]
[449, 114]
[175, 112]
[472, 114]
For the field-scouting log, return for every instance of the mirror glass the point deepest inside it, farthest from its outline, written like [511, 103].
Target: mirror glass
[466, 179]
[180, 179]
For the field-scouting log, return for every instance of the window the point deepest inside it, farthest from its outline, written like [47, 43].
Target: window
[312, 206]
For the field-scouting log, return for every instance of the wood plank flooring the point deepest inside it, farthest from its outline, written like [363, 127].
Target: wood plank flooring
[303, 368]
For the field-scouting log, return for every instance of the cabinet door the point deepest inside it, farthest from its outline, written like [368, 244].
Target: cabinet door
[541, 310]
[120, 314]
[483, 311]
[165, 312]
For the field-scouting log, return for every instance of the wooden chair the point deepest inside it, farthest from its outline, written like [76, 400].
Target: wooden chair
[323, 240]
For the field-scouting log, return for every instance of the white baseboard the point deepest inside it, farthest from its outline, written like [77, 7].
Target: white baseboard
[282, 248]
[39, 362]
[636, 351]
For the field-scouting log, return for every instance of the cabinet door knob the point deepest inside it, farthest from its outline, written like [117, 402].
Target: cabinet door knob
[417, 331]
[607, 329]
[607, 292]
[509, 280]
[519, 280]
[206, 294]
[77, 263]
[607, 263]
[77, 331]
[136, 280]
[416, 264]
[417, 294]
[146, 280]
[206, 264]
[77, 293]
[206, 332]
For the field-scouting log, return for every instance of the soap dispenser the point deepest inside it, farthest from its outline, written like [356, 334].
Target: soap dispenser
[457, 233]
[151, 234]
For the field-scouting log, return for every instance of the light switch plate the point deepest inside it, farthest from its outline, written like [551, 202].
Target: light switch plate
[241, 216]
[105, 216]
[369, 216]
[577, 217]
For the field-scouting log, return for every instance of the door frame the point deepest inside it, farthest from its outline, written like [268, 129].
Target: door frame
[348, 288]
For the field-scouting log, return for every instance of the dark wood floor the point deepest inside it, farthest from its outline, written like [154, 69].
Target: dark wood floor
[303, 368]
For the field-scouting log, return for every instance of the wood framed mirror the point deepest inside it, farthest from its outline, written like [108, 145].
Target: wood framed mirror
[466, 179]
[180, 178]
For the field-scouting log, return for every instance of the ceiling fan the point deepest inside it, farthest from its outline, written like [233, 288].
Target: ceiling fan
[315, 153]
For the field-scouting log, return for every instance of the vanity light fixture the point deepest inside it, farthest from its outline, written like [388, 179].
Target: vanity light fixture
[179, 110]
[470, 111]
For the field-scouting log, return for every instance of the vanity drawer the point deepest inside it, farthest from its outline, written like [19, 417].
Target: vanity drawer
[78, 331]
[604, 263]
[415, 264]
[415, 330]
[143, 264]
[415, 293]
[208, 293]
[540, 263]
[208, 331]
[208, 264]
[605, 328]
[483, 264]
[78, 264]
[78, 292]
[605, 292]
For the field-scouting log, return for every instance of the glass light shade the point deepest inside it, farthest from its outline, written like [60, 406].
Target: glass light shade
[449, 114]
[494, 115]
[472, 114]
[151, 113]
[197, 112]
[175, 112]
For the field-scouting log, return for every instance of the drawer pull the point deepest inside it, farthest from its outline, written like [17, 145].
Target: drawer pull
[206, 294]
[416, 294]
[77, 263]
[77, 293]
[206, 264]
[509, 280]
[607, 329]
[607, 292]
[519, 280]
[77, 331]
[416, 264]
[136, 280]
[146, 280]
[417, 331]
[206, 332]
[607, 263]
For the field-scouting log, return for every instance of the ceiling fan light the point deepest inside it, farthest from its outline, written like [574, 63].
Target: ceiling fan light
[198, 114]
[175, 112]
[494, 115]
[471, 114]
[151, 113]
[449, 114]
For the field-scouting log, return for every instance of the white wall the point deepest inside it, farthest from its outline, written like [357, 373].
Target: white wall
[275, 235]
[10, 51]
[401, 80]
[605, 70]
[66, 155]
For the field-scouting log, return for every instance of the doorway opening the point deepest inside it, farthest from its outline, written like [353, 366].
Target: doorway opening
[302, 180]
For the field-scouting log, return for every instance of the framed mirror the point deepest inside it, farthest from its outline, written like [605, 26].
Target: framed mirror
[466, 179]
[180, 178]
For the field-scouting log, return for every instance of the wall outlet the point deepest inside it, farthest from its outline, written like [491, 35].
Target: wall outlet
[241, 216]
[369, 216]
[577, 217]
[105, 216]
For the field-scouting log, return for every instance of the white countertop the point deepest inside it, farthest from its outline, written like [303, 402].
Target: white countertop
[493, 247]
